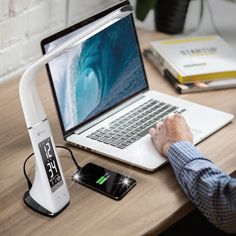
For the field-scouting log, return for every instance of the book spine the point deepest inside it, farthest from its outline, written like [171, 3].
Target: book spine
[164, 72]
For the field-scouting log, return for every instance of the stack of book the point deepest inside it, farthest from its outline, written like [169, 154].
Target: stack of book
[194, 64]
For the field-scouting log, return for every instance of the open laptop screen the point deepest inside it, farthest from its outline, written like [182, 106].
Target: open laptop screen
[96, 75]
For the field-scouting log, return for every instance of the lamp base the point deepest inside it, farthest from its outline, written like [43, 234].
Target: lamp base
[31, 203]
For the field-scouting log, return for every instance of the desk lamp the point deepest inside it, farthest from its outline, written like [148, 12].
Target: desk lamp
[49, 193]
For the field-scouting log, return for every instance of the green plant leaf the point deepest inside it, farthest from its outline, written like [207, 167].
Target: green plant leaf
[201, 9]
[143, 7]
[201, 12]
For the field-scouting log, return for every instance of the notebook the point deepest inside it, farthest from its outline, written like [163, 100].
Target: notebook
[103, 100]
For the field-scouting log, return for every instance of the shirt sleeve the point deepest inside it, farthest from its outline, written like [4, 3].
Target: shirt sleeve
[212, 191]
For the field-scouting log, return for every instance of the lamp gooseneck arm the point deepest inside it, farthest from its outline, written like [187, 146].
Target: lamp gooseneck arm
[32, 107]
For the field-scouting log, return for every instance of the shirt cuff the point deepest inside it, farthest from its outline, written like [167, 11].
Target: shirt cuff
[181, 153]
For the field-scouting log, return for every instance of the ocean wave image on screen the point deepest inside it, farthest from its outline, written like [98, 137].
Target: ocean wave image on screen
[104, 70]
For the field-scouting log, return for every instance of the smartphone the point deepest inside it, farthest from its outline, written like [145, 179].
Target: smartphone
[104, 181]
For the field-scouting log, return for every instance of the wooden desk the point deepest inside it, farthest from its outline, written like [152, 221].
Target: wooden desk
[154, 204]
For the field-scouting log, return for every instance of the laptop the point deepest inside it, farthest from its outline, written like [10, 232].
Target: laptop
[103, 100]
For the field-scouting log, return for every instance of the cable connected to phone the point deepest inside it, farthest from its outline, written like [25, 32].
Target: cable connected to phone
[72, 155]
[29, 183]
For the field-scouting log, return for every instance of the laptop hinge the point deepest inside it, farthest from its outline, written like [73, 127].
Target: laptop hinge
[108, 114]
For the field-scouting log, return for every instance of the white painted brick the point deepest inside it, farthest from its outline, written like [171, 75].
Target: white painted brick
[1, 38]
[17, 6]
[38, 18]
[55, 28]
[31, 48]
[11, 58]
[12, 30]
[1, 65]
[82, 9]
[4, 9]
[58, 12]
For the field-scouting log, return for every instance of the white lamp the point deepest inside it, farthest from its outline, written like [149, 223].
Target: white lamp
[49, 194]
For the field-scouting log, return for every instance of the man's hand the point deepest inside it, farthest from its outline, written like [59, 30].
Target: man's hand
[172, 129]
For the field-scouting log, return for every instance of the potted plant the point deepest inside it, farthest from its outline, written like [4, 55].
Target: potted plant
[169, 14]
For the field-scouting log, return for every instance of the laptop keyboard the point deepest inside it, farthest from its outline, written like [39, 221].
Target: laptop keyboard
[135, 124]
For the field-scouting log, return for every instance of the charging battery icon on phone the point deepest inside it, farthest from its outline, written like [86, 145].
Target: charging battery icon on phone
[103, 179]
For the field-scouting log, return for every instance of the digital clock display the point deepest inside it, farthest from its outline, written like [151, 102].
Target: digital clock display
[50, 164]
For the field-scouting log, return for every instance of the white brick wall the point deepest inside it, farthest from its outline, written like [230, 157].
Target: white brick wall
[4, 9]
[13, 29]
[23, 23]
[17, 6]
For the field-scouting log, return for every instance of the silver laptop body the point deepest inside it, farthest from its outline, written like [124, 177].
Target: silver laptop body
[103, 100]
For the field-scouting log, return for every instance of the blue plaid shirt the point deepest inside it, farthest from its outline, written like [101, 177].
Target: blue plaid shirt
[212, 191]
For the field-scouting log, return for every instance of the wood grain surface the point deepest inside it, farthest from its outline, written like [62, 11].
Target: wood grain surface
[156, 201]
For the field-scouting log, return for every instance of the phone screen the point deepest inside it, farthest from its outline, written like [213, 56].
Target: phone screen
[105, 181]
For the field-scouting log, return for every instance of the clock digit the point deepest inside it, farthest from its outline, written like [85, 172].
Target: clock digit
[47, 149]
[50, 169]
[53, 164]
